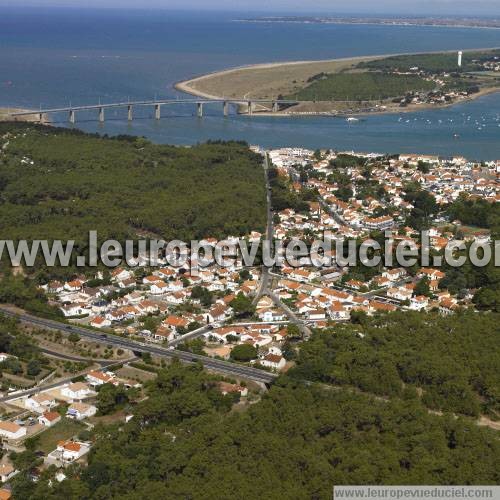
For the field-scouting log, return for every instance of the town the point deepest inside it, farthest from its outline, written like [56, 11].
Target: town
[249, 315]
[353, 196]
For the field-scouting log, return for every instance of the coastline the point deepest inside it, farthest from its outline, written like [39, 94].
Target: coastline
[189, 86]
[367, 23]
[5, 116]
[392, 111]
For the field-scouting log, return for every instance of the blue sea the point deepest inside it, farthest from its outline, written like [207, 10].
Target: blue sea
[56, 57]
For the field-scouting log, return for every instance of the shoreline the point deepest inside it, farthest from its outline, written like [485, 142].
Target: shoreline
[408, 109]
[367, 23]
[186, 86]
[5, 116]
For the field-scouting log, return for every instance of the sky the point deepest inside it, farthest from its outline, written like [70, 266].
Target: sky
[441, 7]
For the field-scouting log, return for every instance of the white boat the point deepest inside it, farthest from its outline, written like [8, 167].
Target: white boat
[351, 119]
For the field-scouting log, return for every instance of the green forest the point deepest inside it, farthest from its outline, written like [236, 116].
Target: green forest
[451, 363]
[432, 63]
[296, 442]
[59, 184]
[361, 87]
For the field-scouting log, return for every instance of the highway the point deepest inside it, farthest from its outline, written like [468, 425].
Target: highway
[224, 367]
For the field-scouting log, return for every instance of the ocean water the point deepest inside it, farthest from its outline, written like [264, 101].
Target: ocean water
[57, 57]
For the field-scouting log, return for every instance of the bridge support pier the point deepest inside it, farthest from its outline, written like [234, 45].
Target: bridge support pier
[225, 106]
[101, 115]
[72, 116]
[275, 106]
[40, 117]
[129, 113]
[250, 107]
[157, 111]
[200, 110]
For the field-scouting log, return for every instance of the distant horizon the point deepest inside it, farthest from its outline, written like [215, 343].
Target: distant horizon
[387, 8]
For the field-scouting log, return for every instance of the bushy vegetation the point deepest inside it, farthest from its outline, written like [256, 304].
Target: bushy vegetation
[283, 197]
[361, 87]
[432, 63]
[23, 293]
[59, 184]
[297, 442]
[476, 212]
[453, 360]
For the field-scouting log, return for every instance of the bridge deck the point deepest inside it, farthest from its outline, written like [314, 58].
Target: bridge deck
[153, 103]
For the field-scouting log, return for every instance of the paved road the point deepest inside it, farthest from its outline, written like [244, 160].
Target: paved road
[75, 359]
[53, 385]
[332, 212]
[264, 278]
[290, 314]
[220, 366]
[189, 336]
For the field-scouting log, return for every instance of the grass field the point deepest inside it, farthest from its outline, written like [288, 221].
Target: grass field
[65, 429]
[264, 80]
[361, 86]
[268, 81]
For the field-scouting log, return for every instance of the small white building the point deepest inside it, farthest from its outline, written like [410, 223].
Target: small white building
[273, 361]
[49, 418]
[79, 411]
[95, 378]
[39, 403]
[6, 472]
[10, 430]
[76, 391]
[69, 451]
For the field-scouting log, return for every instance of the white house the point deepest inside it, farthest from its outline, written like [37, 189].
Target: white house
[73, 286]
[317, 314]
[76, 391]
[271, 315]
[75, 310]
[338, 311]
[95, 378]
[399, 293]
[39, 403]
[79, 411]
[6, 472]
[10, 430]
[394, 274]
[159, 288]
[419, 303]
[49, 418]
[100, 322]
[273, 361]
[69, 451]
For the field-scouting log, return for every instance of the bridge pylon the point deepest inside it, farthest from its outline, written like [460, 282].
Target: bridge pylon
[200, 110]
[72, 116]
[129, 113]
[157, 111]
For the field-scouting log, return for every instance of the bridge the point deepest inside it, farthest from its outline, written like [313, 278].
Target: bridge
[274, 105]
